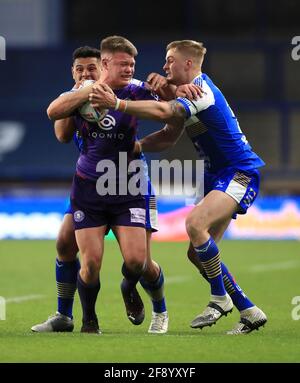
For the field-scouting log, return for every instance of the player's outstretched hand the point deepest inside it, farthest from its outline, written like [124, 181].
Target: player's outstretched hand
[156, 81]
[190, 91]
[102, 96]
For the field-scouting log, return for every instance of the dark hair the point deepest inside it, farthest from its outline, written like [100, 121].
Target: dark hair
[85, 51]
[118, 44]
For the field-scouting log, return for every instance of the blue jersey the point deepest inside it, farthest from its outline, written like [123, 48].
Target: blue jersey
[78, 140]
[215, 132]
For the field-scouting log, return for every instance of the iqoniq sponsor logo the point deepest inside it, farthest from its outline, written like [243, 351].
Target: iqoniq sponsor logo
[107, 122]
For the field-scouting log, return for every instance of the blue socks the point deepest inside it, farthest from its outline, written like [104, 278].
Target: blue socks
[239, 299]
[66, 279]
[155, 290]
[209, 256]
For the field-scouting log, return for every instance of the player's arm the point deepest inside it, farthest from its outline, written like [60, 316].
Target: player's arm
[66, 104]
[159, 85]
[166, 91]
[64, 129]
[172, 111]
[161, 140]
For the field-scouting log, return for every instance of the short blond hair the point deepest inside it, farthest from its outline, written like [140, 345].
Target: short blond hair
[190, 48]
[113, 44]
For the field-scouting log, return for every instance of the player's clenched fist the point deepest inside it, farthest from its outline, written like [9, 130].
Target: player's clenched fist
[102, 96]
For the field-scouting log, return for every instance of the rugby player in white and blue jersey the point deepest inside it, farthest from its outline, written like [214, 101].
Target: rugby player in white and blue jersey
[231, 178]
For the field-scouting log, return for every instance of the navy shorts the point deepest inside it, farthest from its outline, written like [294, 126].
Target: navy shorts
[89, 209]
[151, 210]
[241, 185]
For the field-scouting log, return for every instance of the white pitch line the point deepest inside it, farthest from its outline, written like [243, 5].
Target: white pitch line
[24, 298]
[274, 266]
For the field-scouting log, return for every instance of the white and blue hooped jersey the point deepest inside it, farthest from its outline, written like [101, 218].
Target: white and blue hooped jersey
[215, 132]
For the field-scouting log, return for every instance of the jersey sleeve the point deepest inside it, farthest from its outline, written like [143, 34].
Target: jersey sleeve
[141, 92]
[85, 83]
[202, 103]
[69, 91]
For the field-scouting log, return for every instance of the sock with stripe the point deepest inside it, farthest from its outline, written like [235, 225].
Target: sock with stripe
[239, 298]
[66, 280]
[88, 296]
[155, 290]
[209, 256]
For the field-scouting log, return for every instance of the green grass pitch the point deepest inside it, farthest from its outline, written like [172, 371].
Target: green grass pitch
[267, 271]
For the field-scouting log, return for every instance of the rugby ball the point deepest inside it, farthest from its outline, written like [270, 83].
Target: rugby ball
[89, 113]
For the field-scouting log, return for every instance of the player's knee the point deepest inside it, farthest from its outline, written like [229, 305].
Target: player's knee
[90, 269]
[66, 249]
[135, 266]
[61, 246]
[193, 226]
[151, 270]
[152, 266]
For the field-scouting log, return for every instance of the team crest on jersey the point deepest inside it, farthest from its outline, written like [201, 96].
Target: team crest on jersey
[79, 216]
[107, 123]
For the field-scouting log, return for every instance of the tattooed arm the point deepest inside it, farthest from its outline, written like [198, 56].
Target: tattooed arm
[172, 111]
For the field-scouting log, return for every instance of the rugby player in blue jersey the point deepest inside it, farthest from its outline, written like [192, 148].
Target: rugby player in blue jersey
[231, 177]
[85, 66]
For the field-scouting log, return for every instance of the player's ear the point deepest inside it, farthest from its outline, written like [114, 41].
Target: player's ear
[104, 63]
[189, 63]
